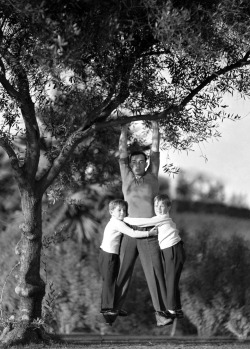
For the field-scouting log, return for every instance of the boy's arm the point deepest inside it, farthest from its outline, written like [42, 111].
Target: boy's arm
[123, 152]
[145, 222]
[124, 229]
[154, 155]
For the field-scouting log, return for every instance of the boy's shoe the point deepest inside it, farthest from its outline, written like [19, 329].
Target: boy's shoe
[169, 315]
[177, 315]
[110, 317]
[162, 320]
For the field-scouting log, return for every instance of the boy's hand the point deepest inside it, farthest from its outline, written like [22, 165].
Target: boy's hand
[153, 232]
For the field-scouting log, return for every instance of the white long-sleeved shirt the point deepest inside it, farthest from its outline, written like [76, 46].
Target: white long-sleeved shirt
[113, 232]
[168, 235]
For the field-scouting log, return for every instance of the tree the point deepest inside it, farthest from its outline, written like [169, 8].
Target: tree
[73, 71]
[200, 187]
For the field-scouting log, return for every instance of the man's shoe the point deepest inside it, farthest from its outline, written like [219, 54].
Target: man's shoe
[109, 311]
[179, 314]
[162, 320]
[122, 312]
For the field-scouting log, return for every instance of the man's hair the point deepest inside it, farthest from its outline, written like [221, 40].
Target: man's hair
[137, 152]
[118, 202]
[164, 198]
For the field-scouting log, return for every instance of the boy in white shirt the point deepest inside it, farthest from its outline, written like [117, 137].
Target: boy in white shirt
[109, 256]
[171, 246]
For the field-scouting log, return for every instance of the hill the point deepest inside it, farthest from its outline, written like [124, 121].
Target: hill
[224, 220]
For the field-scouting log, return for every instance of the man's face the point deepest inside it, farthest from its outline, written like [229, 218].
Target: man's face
[138, 164]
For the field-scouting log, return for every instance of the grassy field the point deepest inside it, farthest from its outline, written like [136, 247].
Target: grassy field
[223, 226]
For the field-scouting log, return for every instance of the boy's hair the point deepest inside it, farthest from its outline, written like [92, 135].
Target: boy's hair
[137, 152]
[164, 198]
[118, 202]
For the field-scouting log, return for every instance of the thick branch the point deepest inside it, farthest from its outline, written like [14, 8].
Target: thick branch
[23, 98]
[146, 117]
[32, 129]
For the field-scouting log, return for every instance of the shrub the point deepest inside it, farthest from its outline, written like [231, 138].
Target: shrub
[215, 280]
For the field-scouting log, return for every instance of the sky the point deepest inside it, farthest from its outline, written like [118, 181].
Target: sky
[228, 157]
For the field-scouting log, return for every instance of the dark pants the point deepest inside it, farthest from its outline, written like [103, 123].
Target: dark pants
[151, 260]
[109, 268]
[174, 258]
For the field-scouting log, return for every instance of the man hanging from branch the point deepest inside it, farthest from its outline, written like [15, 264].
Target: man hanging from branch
[139, 187]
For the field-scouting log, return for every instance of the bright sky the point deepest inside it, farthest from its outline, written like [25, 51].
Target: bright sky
[228, 157]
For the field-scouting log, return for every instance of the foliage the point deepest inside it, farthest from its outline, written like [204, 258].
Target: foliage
[238, 322]
[216, 282]
[119, 63]
[77, 286]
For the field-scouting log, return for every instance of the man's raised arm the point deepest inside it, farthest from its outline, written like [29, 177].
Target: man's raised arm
[123, 152]
[155, 137]
[154, 154]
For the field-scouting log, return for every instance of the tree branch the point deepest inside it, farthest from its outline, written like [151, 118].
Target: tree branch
[12, 92]
[104, 112]
[146, 117]
[107, 108]
[67, 150]
[176, 108]
[23, 98]
[32, 129]
[242, 62]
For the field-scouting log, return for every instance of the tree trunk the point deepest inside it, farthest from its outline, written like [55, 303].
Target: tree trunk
[30, 286]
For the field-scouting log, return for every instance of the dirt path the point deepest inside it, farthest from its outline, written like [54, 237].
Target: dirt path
[82, 338]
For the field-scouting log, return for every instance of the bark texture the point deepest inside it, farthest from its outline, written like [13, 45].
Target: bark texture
[30, 286]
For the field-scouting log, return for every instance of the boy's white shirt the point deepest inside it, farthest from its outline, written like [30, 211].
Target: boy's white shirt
[168, 235]
[113, 232]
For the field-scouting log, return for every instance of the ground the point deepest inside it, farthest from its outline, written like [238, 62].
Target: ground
[132, 342]
[142, 346]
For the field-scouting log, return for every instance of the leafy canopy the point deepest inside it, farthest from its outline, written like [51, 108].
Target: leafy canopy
[70, 69]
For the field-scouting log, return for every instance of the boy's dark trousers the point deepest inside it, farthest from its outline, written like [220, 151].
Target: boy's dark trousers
[174, 258]
[109, 268]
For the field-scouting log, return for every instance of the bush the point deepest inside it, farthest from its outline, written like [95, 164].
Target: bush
[216, 280]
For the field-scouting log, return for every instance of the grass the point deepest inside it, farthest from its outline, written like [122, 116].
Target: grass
[223, 226]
